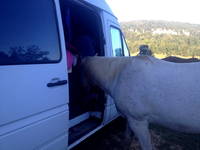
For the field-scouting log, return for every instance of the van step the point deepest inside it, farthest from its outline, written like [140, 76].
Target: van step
[83, 128]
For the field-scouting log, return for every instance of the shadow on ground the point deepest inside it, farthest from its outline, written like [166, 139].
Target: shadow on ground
[112, 137]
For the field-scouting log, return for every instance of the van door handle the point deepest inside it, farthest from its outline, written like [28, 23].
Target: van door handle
[57, 83]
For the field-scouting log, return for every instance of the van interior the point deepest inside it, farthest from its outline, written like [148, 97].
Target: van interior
[84, 37]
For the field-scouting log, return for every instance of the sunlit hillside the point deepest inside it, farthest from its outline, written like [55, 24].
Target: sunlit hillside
[164, 38]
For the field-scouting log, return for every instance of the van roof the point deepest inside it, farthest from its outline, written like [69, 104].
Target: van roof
[101, 4]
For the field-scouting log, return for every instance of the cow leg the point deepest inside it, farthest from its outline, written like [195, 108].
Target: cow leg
[140, 128]
[128, 136]
[128, 132]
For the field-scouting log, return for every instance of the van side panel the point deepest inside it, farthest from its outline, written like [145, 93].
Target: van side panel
[38, 134]
[33, 115]
[25, 92]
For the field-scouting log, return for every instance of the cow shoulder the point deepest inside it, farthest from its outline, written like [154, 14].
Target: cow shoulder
[146, 59]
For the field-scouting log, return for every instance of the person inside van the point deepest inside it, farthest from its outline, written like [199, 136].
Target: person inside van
[82, 46]
[71, 61]
[85, 45]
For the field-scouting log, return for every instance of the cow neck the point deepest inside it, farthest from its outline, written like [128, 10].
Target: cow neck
[106, 71]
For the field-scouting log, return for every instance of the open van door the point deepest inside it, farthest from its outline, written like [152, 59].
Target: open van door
[116, 46]
[33, 77]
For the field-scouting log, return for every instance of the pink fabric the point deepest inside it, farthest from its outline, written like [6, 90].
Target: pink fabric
[70, 60]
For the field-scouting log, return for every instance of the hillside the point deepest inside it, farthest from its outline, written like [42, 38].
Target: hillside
[169, 38]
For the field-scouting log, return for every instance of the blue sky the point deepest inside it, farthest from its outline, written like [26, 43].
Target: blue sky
[170, 10]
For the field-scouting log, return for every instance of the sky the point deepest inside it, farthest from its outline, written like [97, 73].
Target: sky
[169, 10]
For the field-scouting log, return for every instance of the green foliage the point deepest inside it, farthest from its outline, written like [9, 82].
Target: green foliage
[184, 38]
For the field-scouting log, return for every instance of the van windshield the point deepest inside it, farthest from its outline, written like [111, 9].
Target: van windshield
[28, 32]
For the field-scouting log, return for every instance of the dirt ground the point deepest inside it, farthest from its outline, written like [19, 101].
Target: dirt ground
[112, 137]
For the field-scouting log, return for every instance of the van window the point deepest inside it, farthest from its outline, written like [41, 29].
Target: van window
[28, 32]
[126, 50]
[116, 42]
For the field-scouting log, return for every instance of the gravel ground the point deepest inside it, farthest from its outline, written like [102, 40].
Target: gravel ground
[112, 137]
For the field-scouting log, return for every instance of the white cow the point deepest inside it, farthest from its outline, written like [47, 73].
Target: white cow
[148, 90]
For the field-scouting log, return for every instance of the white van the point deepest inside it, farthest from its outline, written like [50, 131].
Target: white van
[42, 104]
